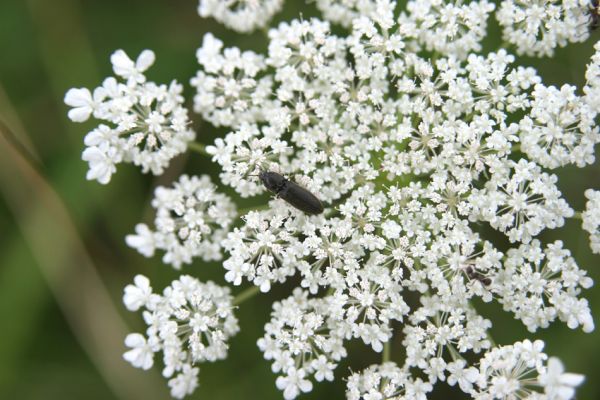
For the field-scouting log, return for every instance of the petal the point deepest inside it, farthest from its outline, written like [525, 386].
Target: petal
[572, 379]
[135, 340]
[305, 385]
[78, 97]
[144, 60]
[122, 64]
[79, 114]
[141, 281]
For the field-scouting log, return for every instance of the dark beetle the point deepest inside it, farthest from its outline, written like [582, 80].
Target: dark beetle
[291, 192]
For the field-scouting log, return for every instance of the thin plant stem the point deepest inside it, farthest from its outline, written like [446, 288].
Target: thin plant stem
[198, 148]
[245, 295]
[387, 351]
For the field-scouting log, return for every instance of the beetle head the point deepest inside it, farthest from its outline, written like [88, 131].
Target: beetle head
[272, 180]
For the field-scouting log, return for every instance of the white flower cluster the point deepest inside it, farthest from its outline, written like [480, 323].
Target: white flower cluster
[539, 285]
[263, 250]
[189, 323]
[145, 123]
[228, 92]
[386, 381]
[537, 27]
[240, 15]
[416, 145]
[343, 12]
[348, 116]
[445, 27]
[592, 76]
[301, 339]
[443, 325]
[519, 371]
[192, 219]
[591, 218]
[520, 200]
[560, 129]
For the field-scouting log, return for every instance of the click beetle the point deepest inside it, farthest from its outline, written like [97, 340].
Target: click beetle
[291, 192]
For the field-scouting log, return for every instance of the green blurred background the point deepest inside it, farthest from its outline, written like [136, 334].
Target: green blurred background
[63, 261]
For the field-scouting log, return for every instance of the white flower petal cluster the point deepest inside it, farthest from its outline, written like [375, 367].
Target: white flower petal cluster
[591, 219]
[415, 144]
[302, 340]
[144, 123]
[343, 12]
[189, 323]
[245, 153]
[369, 304]
[386, 381]
[541, 284]
[408, 155]
[263, 251]
[518, 371]
[439, 326]
[306, 61]
[557, 383]
[592, 77]
[229, 89]
[537, 27]
[445, 27]
[560, 129]
[523, 371]
[521, 201]
[240, 15]
[192, 219]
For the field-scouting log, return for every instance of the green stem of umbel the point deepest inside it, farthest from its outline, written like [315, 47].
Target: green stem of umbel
[387, 350]
[245, 295]
[198, 148]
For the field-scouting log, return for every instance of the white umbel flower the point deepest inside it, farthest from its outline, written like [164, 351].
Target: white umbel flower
[139, 295]
[560, 129]
[520, 371]
[189, 323]
[264, 251]
[130, 70]
[537, 27]
[415, 143]
[348, 115]
[591, 219]
[592, 76]
[230, 91]
[558, 384]
[192, 220]
[447, 28]
[539, 285]
[439, 326]
[343, 12]
[240, 15]
[300, 337]
[385, 381]
[141, 354]
[185, 383]
[520, 200]
[144, 123]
